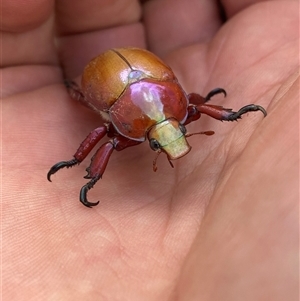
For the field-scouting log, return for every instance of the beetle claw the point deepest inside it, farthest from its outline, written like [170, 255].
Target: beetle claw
[83, 193]
[56, 167]
[244, 110]
[214, 92]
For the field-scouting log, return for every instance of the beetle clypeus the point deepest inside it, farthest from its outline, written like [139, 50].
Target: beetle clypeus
[140, 98]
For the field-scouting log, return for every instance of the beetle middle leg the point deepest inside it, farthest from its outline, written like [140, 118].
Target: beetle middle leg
[84, 149]
[196, 100]
[198, 106]
[99, 162]
[95, 171]
[223, 114]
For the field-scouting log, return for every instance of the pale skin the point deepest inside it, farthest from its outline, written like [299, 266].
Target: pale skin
[221, 225]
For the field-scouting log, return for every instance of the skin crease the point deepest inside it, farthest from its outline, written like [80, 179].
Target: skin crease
[221, 225]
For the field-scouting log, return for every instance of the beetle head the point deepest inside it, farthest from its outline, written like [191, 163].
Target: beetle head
[169, 136]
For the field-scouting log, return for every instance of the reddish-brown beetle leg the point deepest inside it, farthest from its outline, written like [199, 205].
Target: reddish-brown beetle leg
[198, 106]
[220, 113]
[84, 149]
[244, 110]
[56, 167]
[214, 92]
[70, 84]
[95, 171]
[99, 163]
[74, 90]
[196, 100]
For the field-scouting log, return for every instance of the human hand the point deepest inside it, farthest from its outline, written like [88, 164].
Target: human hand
[221, 225]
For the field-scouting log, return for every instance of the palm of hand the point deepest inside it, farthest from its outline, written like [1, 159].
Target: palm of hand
[146, 223]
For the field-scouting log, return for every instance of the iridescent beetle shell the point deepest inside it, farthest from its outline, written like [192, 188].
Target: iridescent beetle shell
[138, 92]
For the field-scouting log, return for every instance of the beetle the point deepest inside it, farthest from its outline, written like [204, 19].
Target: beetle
[140, 99]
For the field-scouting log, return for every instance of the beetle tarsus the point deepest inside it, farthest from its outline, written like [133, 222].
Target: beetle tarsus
[74, 91]
[84, 190]
[249, 108]
[56, 167]
[69, 84]
[214, 92]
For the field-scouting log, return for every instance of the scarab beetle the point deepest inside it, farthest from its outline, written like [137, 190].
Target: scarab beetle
[140, 99]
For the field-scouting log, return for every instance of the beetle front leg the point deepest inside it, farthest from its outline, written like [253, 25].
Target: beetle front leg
[198, 106]
[196, 100]
[221, 113]
[84, 149]
[95, 171]
[99, 163]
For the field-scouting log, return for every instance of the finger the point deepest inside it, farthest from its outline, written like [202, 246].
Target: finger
[232, 7]
[256, 217]
[87, 28]
[172, 24]
[27, 44]
[86, 16]
[77, 50]
[26, 32]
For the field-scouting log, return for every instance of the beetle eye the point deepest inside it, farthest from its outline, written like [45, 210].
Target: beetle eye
[182, 128]
[154, 144]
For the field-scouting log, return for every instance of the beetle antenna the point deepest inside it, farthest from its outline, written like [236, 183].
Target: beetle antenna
[207, 133]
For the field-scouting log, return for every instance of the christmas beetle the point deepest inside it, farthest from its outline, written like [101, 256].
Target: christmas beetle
[140, 99]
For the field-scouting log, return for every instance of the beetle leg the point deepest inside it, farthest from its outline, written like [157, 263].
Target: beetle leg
[214, 92]
[84, 149]
[220, 113]
[95, 171]
[197, 99]
[56, 167]
[74, 90]
[99, 163]
[76, 94]
[198, 106]
[193, 114]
